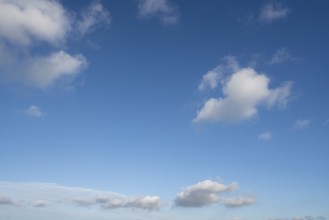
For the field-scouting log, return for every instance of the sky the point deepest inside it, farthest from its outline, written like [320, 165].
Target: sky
[164, 110]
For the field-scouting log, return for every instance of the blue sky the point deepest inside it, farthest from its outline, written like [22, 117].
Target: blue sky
[164, 109]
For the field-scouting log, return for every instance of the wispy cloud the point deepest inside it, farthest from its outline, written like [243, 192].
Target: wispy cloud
[302, 123]
[166, 12]
[24, 24]
[40, 203]
[244, 91]
[93, 16]
[265, 136]
[34, 112]
[212, 77]
[48, 194]
[282, 55]
[273, 11]
[238, 201]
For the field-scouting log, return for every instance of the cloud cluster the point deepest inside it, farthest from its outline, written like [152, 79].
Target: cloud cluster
[272, 11]
[244, 92]
[162, 9]
[209, 192]
[27, 25]
[41, 195]
[144, 202]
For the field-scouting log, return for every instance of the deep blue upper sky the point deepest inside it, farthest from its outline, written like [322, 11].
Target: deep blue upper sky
[188, 109]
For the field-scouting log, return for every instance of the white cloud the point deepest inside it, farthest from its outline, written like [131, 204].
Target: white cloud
[272, 11]
[93, 16]
[212, 77]
[281, 55]
[203, 193]
[40, 203]
[238, 201]
[265, 136]
[302, 123]
[43, 72]
[34, 112]
[244, 92]
[106, 202]
[325, 123]
[24, 24]
[162, 9]
[49, 194]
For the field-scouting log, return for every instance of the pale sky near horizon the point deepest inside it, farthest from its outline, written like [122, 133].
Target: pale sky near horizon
[164, 110]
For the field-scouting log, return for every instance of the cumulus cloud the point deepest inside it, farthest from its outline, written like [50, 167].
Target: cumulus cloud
[161, 9]
[34, 112]
[302, 123]
[24, 24]
[281, 55]
[273, 11]
[244, 92]
[203, 193]
[301, 218]
[265, 136]
[239, 201]
[93, 16]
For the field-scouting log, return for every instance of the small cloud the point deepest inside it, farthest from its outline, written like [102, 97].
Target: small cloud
[281, 55]
[326, 122]
[34, 112]
[93, 16]
[272, 11]
[203, 193]
[40, 203]
[162, 9]
[5, 201]
[239, 201]
[244, 91]
[265, 136]
[212, 77]
[302, 124]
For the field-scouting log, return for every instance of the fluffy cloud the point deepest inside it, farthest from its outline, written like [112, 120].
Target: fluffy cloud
[244, 92]
[24, 24]
[272, 11]
[265, 135]
[34, 112]
[203, 193]
[302, 123]
[162, 9]
[281, 55]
